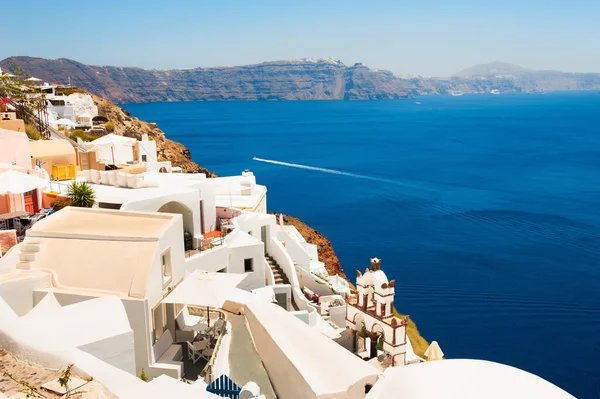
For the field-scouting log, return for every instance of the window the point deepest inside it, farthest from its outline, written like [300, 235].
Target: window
[248, 265]
[144, 157]
[159, 321]
[165, 266]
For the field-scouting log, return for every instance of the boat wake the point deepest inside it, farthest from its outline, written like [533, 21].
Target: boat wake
[337, 172]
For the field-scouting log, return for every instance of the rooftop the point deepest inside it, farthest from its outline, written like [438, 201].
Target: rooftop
[83, 223]
[462, 378]
[78, 246]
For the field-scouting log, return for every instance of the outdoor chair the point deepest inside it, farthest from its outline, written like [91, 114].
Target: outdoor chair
[187, 322]
[207, 353]
[193, 354]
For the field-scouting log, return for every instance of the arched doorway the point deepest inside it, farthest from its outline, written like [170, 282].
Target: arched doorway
[188, 218]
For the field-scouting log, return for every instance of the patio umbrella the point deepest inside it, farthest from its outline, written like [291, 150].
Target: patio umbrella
[66, 122]
[209, 289]
[434, 352]
[32, 79]
[12, 182]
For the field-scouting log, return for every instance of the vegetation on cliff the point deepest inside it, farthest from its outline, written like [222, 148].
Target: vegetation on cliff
[122, 123]
[332, 264]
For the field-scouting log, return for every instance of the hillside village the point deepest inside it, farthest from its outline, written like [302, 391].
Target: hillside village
[149, 277]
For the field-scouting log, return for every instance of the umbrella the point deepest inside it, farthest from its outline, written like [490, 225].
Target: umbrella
[66, 122]
[434, 352]
[32, 79]
[209, 289]
[17, 183]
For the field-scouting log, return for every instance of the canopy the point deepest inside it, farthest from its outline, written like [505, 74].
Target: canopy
[203, 288]
[32, 79]
[17, 183]
[113, 139]
[66, 122]
[434, 352]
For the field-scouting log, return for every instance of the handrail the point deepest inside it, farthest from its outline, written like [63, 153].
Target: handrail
[287, 266]
[48, 131]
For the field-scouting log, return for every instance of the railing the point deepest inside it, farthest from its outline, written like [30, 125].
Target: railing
[24, 112]
[287, 266]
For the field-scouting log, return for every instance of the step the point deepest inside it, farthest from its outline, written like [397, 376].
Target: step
[27, 256]
[24, 266]
[30, 247]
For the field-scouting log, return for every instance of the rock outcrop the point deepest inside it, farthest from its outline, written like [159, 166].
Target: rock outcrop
[325, 249]
[167, 150]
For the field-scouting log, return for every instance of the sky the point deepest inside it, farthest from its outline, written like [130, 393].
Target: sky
[429, 38]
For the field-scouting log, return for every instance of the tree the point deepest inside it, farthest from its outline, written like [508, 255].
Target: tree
[81, 194]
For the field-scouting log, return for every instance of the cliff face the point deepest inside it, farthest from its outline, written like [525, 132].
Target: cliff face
[312, 79]
[320, 79]
[167, 150]
[325, 249]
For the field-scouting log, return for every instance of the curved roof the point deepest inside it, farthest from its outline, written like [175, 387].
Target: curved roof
[327, 368]
[50, 148]
[79, 245]
[462, 378]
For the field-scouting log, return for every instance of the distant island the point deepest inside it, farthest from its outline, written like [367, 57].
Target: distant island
[304, 79]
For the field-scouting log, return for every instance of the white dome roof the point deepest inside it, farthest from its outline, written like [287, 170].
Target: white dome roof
[462, 378]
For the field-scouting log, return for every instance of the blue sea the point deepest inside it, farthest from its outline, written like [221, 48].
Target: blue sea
[484, 209]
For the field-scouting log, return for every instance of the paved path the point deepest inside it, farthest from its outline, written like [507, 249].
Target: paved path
[244, 362]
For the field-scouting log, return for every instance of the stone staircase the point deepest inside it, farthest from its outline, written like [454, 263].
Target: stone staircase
[29, 250]
[280, 277]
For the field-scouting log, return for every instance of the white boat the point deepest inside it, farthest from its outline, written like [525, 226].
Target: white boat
[456, 93]
[494, 91]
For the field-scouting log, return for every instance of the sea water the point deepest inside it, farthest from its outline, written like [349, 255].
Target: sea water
[484, 209]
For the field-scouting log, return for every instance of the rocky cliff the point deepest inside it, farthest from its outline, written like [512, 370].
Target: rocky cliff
[307, 79]
[325, 249]
[167, 150]
[318, 79]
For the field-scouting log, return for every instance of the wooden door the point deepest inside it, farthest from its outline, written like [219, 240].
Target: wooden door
[31, 201]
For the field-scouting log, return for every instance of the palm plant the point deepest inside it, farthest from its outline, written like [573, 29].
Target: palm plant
[81, 194]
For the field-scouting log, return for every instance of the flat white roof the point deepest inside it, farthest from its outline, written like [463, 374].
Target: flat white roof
[105, 251]
[78, 324]
[82, 222]
[462, 378]
[326, 366]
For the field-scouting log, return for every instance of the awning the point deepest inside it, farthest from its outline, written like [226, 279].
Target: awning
[113, 139]
[203, 288]
[16, 182]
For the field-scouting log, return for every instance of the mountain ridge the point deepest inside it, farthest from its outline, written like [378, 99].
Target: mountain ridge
[300, 79]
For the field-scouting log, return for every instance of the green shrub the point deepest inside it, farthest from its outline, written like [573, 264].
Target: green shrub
[109, 126]
[379, 345]
[81, 194]
[77, 133]
[32, 132]
[59, 204]
[143, 376]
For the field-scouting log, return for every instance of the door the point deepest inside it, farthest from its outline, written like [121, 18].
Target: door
[281, 299]
[263, 236]
[30, 201]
